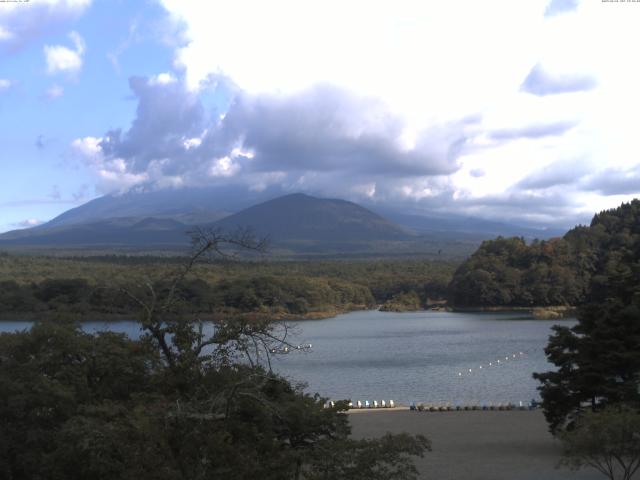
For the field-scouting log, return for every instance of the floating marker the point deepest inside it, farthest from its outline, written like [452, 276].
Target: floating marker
[459, 373]
[480, 366]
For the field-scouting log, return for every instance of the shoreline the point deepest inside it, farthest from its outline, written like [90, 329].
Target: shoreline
[538, 313]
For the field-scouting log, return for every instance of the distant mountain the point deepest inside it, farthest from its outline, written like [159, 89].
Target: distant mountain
[302, 217]
[469, 226]
[298, 222]
[187, 205]
[295, 223]
[110, 233]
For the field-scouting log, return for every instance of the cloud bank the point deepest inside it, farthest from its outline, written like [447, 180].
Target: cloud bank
[320, 133]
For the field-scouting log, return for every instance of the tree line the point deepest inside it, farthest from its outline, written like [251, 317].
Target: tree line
[41, 286]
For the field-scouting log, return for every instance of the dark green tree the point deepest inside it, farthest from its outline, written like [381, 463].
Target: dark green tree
[598, 360]
[608, 441]
[188, 400]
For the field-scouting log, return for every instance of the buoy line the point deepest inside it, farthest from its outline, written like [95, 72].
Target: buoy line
[494, 363]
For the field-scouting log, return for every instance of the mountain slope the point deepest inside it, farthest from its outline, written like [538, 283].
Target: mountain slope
[302, 217]
[298, 221]
[112, 232]
[188, 205]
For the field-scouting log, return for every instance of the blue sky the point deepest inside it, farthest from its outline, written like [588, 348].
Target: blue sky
[42, 176]
[499, 109]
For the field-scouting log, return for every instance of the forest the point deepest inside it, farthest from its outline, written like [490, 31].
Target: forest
[38, 286]
[508, 272]
[505, 272]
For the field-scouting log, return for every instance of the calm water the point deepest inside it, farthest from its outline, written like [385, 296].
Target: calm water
[409, 356]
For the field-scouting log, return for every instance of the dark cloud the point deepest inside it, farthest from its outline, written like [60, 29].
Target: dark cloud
[615, 182]
[532, 131]
[541, 83]
[320, 130]
[558, 173]
[167, 114]
[557, 7]
[327, 129]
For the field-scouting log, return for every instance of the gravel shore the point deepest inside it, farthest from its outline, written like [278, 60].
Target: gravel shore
[476, 445]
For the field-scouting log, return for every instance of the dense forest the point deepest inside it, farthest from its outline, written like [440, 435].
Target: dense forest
[40, 286]
[508, 272]
[591, 400]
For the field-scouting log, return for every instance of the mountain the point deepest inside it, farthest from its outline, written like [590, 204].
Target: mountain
[187, 205]
[113, 233]
[467, 226]
[294, 222]
[302, 217]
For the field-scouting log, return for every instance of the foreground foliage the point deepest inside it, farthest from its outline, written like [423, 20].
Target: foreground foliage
[608, 441]
[188, 400]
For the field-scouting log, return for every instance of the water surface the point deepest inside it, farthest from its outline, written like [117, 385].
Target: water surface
[417, 356]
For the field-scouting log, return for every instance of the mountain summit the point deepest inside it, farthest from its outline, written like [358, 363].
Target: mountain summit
[303, 217]
[294, 222]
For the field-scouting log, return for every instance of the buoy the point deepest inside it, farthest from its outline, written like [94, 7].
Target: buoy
[459, 374]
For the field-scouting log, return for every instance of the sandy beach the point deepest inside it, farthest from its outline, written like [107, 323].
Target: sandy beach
[476, 445]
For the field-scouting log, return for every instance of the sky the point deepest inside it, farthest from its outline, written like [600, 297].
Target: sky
[506, 110]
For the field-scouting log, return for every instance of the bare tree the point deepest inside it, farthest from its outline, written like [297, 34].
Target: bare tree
[182, 340]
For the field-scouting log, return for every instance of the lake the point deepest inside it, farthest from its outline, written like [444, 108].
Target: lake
[417, 356]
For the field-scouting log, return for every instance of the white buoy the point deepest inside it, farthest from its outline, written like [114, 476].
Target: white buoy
[459, 374]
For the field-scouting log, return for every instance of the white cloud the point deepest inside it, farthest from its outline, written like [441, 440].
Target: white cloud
[5, 84]
[22, 23]
[61, 59]
[28, 223]
[113, 174]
